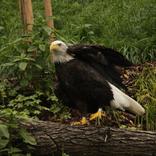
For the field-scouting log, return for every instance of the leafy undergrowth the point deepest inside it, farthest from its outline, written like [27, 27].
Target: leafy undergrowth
[13, 137]
[141, 82]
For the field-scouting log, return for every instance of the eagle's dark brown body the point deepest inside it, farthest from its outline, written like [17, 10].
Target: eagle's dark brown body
[83, 81]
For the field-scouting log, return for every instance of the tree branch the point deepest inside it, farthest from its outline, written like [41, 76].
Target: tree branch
[89, 140]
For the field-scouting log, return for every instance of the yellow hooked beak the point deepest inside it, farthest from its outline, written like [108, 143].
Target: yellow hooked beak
[54, 47]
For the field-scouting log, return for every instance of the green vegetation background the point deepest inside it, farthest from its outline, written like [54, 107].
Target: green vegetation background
[26, 87]
[129, 26]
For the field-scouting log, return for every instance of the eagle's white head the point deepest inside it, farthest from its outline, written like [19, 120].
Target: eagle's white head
[59, 52]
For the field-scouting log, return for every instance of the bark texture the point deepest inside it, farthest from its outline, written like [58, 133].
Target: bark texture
[48, 13]
[26, 14]
[91, 141]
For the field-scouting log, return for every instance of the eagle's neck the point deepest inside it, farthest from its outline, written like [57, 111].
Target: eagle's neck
[62, 58]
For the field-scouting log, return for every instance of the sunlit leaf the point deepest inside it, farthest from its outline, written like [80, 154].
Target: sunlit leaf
[4, 136]
[23, 65]
[42, 47]
[4, 131]
[27, 137]
[38, 66]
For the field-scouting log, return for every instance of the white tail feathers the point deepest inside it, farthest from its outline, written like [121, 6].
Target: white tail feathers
[124, 102]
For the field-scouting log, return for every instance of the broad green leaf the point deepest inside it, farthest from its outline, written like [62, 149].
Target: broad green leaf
[3, 142]
[4, 136]
[27, 137]
[23, 65]
[38, 66]
[37, 112]
[42, 47]
[15, 151]
[7, 64]
[1, 28]
[91, 32]
[4, 131]
[87, 25]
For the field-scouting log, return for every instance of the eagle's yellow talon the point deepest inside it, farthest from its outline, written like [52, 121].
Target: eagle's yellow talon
[75, 123]
[98, 115]
[83, 121]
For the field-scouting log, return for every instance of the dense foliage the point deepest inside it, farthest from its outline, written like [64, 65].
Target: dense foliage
[26, 86]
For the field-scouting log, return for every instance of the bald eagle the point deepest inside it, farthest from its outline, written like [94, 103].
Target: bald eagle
[89, 80]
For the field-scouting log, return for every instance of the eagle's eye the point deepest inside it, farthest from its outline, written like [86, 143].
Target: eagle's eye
[59, 44]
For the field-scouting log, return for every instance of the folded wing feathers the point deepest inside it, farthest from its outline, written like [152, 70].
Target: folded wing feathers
[124, 102]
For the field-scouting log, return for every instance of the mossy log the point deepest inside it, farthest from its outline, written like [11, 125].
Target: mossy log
[56, 138]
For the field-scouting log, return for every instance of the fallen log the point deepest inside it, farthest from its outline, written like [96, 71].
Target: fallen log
[54, 137]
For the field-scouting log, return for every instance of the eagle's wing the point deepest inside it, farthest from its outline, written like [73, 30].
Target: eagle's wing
[99, 54]
[81, 81]
[102, 59]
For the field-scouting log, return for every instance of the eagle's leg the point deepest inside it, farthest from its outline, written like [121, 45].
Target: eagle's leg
[98, 116]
